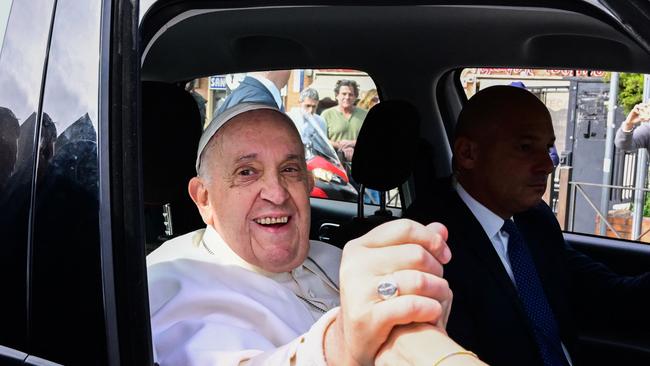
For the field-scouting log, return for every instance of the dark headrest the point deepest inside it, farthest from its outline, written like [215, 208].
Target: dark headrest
[171, 132]
[386, 147]
[171, 128]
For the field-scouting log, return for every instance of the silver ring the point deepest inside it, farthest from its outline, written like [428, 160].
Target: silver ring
[387, 288]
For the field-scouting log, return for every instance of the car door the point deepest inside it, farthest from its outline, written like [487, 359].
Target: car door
[66, 304]
[26, 28]
[59, 269]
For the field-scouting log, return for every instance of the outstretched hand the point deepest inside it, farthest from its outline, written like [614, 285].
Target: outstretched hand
[423, 345]
[402, 251]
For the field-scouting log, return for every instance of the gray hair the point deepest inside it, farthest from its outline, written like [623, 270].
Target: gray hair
[308, 93]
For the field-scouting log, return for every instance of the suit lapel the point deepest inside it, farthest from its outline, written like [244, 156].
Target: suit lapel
[475, 239]
[470, 233]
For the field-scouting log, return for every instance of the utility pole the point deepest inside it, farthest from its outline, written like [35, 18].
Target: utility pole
[641, 175]
[609, 151]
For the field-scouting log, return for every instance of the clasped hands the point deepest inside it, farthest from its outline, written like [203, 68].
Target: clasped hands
[404, 329]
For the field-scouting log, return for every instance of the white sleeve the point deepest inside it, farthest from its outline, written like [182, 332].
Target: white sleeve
[206, 315]
[305, 350]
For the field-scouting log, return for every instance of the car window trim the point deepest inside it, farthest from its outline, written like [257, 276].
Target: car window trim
[35, 155]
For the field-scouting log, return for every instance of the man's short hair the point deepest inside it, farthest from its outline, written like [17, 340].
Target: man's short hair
[349, 83]
[308, 93]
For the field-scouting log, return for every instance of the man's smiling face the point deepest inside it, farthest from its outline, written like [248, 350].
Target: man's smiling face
[258, 188]
[346, 97]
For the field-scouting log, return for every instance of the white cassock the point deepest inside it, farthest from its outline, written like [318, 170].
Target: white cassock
[210, 307]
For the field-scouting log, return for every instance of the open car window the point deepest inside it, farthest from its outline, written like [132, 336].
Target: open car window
[600, 183]
[320, 129]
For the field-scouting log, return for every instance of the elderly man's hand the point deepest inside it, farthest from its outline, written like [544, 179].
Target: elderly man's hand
[423, 344]
[411, 255]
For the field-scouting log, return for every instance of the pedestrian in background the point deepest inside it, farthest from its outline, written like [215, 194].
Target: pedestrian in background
[633, 134]
[344, 120]
[369, 99]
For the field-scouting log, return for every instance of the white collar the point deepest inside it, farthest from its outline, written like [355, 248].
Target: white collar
[491, 222]
[221, 253]
[224, 255]
[271, 87]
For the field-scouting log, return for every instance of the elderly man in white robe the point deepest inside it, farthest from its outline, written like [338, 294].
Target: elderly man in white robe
[251, 288]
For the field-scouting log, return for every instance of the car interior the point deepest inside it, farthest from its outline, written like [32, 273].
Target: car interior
[414, 52]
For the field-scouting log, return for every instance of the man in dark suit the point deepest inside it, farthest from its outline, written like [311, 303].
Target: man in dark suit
[259, 87]
[517, 284]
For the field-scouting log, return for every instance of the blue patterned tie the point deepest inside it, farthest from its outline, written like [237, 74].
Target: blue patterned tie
[531, 294]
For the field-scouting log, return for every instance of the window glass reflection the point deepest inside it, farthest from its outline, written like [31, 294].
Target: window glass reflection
[66, 222]
[22, 60]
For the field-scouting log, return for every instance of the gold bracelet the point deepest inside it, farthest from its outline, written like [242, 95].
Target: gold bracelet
[452, 354]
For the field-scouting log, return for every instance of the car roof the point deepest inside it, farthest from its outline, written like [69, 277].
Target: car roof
[407, 48]
[182, 41]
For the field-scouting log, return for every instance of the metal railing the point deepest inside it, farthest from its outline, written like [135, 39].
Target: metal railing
[393, 199]
[578, 187]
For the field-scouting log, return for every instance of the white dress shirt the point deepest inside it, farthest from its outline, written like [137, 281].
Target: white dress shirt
[210, 307]
[491, 224]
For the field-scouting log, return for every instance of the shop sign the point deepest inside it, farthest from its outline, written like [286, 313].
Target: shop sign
[217, 83]
[536, 73]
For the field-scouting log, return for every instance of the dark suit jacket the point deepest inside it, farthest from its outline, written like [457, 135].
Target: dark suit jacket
[487, 316]
[249, 90]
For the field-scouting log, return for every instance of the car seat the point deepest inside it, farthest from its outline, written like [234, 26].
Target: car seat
[171, 128]
[384, 156]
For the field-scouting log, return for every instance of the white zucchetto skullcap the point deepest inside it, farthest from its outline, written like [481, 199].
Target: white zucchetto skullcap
[222, 118]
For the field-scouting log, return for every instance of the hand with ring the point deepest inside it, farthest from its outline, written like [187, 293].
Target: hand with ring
[389, 277]
[387, 288]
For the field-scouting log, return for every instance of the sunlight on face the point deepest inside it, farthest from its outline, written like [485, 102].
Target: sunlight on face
[259, 190]
[346, 97]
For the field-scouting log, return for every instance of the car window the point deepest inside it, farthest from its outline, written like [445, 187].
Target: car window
[325, 133]
[66, 274]
[22, 62]
[592, 188]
